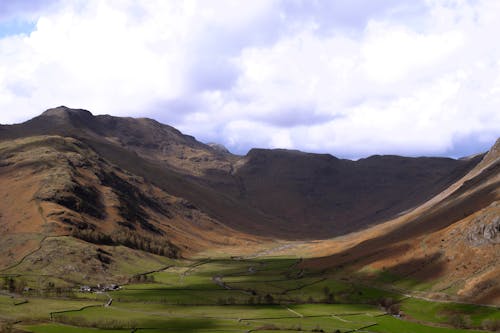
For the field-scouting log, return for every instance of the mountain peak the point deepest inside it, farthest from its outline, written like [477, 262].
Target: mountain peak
[218, 147]
[494, 153]
[64, 112]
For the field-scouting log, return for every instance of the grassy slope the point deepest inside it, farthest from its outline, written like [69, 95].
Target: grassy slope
[55, 260]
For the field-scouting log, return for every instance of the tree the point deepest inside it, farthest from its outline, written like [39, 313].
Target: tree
[394, 309]
[491, 325]
[457, 320]
[6, 327]
[11, 284]
[389, 305]
[386, 302]
[5, 283]
[317, 329]
[20, 285]
[269, 299]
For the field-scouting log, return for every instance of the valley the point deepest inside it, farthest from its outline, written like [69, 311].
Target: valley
[127, 225]
[264, 294]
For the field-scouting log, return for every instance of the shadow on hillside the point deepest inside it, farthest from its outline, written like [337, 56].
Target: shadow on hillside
[485, 292]
[425, 268]
[394, 248]
[442, 215]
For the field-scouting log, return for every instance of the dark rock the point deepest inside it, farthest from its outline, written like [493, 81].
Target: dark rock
[485, 230]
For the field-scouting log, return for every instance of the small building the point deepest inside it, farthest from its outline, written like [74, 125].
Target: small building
[85, 289]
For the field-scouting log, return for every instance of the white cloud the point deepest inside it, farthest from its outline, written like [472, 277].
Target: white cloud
[393, 53]
[252, 74]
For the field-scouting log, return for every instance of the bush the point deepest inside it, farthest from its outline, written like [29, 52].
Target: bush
[390, 305]
[6, 327]
[268, 327]
[95, 323]
[394, 309]
[317, 329]
[491, 325]
[269, 299]
[386, 302]
[459, 321]
[142, 278]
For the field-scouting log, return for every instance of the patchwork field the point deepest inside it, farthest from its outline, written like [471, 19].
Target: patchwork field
[235, 295]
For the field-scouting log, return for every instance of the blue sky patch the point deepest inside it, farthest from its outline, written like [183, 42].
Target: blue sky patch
[16, 27]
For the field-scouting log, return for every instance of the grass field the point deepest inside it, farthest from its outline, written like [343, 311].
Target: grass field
[224, 295]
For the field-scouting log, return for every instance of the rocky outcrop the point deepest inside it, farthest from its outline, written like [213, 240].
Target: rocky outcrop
[218, 148]
[485, 228]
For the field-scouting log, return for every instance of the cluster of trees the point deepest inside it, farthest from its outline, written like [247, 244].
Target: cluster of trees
[95, 323]
[267, 299]
[142, 278]
[129, 239]
[13, 285]
[6, 327]
[329, 295]
[458, 320]
[20, 286]
[273, 327]
[390, 306]
[270, 299]
[491, 325]
[329, 298]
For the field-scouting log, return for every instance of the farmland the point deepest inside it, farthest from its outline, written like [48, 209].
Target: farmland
[237, 295]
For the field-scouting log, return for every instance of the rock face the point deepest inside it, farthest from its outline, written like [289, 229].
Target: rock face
[485, 229]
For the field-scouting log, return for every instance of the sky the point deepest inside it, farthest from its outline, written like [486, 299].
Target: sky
[351, 78]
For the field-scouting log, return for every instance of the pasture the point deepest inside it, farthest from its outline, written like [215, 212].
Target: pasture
[239, 295]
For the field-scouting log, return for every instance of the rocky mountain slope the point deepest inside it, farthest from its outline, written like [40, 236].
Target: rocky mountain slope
[278, 193]
[58, 186]
[449, 246]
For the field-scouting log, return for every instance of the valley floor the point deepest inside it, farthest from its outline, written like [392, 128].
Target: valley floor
[264, 294]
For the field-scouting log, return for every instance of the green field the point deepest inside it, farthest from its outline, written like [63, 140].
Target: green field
[223, 295]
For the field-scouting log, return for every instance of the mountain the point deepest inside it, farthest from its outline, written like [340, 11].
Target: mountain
[320, 195]
[71, 182]
[58, 186]
[279, 193]
[448, 246]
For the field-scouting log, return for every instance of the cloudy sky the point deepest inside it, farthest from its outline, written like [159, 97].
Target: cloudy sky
[346, 77]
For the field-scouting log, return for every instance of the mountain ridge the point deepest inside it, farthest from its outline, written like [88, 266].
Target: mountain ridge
[311, 194]
[69, 178]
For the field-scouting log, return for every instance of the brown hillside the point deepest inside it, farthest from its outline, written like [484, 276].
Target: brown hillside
[318, 195]
[450, 243]
[278, 193]
[54, 186]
